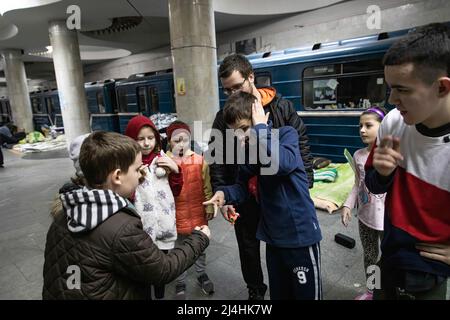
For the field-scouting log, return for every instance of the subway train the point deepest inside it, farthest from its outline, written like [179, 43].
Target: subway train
[330, 84]
[101, 102]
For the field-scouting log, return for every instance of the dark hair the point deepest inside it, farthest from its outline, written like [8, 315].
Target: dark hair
[103, 152]
[235, 62]
[427, 47]
[370, 111]
[12, 128]
[238, 107]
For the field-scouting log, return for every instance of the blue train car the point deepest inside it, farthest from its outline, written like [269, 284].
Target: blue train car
[51, 100]
[46, 108]
[145, 94]
[41, 115]
[330, 85]
[5, 111]
[102, 105]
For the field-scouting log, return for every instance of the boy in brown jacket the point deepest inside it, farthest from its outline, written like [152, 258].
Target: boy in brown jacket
[96, 247]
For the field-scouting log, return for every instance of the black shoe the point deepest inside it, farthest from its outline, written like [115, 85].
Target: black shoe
[205, 284]
[180, 291]
[159, 292]
[257, 293]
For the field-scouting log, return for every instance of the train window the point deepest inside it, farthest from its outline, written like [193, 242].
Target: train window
[154, 99]
[359, 85]
[49, 103]
[100, 102]
[263, 80]
[36, 105]
[122, 99]
[142, 99]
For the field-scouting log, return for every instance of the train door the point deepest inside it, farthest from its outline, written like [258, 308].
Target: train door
[127, 100]
[96, 107]
[56, 107]
[104, 118]
[153, 99]
[148, 100]
[142, 100]
[41, 116]
[108, 101]
[100, 98]
[49, 105]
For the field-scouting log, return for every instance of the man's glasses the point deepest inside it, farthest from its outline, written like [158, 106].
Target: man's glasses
[233, 89]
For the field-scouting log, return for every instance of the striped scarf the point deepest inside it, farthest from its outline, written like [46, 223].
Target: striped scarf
[88, 208]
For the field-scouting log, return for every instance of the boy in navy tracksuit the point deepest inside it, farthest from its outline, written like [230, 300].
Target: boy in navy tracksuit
[288, 221]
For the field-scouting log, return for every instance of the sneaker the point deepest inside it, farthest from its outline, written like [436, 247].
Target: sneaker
[257, 293]
[180, 291]
[205, 284]
[365, 296]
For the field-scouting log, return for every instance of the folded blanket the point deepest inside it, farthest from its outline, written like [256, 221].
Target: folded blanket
[333, 195]
[327, 174]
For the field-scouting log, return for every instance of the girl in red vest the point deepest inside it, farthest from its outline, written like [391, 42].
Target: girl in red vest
[190, 211]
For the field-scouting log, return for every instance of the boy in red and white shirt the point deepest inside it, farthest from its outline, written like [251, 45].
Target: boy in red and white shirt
[411, 163]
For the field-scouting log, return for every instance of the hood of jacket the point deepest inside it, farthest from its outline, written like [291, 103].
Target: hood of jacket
[87, 208]
[267, 95]
[135, 125]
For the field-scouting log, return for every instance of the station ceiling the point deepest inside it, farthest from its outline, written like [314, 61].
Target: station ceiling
[112, 29]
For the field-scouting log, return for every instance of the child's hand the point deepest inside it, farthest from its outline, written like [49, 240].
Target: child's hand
[205, 230]
[166, 162]
[387, 155]
[346, 216]
[258, 115]
[218, 199]
[435, 251]
[229, 213]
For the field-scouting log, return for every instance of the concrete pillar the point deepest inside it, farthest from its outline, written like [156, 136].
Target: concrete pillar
[69, 78]
[193, 45]
[16, 81]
